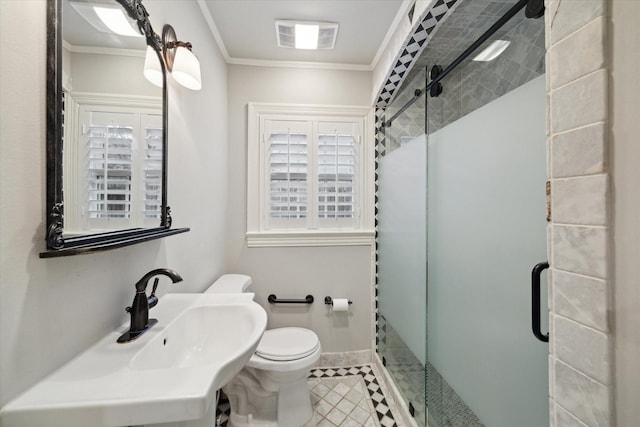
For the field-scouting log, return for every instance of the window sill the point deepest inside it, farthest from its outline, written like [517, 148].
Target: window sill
[266, 239]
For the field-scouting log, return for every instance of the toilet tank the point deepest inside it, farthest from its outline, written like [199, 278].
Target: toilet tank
[230, 284]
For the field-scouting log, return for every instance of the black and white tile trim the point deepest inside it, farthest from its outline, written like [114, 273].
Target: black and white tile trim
[412, 48]
[378, 399]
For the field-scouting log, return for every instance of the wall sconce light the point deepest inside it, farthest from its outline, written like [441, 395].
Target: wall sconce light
[181, 62]
[152, 67]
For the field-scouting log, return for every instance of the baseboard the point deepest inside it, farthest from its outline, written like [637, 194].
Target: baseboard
[344, 358]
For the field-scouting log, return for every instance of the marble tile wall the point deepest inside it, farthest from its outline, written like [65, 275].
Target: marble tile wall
[580, 384]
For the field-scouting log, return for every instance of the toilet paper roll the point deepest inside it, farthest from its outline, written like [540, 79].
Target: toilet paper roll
[340, 304]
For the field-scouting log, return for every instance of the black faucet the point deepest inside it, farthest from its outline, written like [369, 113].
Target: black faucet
[139, 310]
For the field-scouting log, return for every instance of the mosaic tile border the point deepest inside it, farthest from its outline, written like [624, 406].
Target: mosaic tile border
[412, 48]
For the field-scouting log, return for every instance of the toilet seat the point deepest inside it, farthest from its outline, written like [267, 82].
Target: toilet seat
[286, 344]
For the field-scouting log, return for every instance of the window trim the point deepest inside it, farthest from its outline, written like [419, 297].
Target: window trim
[257, 235]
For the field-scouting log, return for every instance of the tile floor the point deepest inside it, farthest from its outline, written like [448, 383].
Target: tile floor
[344, 397]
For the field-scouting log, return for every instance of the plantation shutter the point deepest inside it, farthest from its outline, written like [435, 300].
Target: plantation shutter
[120, 165]
[110, 145]
[288, 187]
[337, 173]
[151, 125]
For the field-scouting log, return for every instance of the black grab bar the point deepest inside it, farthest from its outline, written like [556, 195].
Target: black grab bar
[273, 299]
[535, 301]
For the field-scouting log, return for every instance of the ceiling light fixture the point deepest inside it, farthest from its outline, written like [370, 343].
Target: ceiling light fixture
[492, 51]
[306, 35]
[107, 18]
[180, 60]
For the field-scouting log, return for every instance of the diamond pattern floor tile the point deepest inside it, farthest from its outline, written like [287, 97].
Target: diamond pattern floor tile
[341, 397]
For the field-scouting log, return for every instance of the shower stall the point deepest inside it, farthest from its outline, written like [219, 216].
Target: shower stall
[461, 224]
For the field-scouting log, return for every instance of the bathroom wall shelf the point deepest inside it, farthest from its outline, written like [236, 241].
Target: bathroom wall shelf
[105, 241]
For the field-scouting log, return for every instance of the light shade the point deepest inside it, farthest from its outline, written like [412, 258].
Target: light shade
[152, 68]
[492, 51]
[186, 69]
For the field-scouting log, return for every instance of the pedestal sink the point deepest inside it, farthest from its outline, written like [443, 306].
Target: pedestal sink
[169, 374]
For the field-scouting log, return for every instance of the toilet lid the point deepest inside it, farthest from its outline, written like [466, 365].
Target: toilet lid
[287, 344]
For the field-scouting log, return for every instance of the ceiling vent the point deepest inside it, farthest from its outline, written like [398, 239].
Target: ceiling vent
[286, 33]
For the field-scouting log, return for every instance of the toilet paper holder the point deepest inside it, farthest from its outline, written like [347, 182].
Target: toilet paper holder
[329, 301]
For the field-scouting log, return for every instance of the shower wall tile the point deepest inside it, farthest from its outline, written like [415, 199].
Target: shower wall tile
[564, 17]
[552, 392]
[585, 398]
[580, 250]
[577, 89]
[581, 298]
[583, 348]
[579, 103]
[585, 47]
[581, 200]
[565, 419]
[579, 152]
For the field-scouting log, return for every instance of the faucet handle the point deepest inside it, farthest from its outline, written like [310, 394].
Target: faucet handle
[155, 286]
[153, 299]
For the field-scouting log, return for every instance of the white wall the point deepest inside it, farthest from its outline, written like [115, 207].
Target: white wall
[92, 72]
[625, 160]
[295, 272]
[51, 309]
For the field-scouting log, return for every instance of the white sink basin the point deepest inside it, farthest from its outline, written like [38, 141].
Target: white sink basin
[196, 338]
[170, 373]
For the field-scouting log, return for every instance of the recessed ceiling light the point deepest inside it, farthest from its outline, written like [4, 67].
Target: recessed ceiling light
[107, 18]
[306, 35]
[492, 51]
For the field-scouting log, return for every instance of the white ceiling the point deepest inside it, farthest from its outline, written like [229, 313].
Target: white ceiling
[245, 30]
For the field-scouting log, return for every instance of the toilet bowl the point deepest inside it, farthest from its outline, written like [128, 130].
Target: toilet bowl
[271, 390]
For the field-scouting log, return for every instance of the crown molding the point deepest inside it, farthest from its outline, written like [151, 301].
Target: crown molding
[214, 30]
[402, 11]
[299, 64]
[103, 50]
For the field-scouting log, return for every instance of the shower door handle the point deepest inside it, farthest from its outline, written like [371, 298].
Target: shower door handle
[535, 301]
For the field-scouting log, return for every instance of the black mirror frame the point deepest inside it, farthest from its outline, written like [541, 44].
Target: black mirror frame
[57, 244]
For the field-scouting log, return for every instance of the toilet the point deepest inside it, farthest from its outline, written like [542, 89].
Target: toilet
[271, 390]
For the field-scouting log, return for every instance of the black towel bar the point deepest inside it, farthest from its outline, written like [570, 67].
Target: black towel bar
[273, 299]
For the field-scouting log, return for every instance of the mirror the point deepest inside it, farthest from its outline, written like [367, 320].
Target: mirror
[106, 128]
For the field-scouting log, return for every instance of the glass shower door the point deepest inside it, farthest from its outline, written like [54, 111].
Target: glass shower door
[487, 229]
[402, 250]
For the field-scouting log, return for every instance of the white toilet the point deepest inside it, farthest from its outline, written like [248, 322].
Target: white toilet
[272, 388]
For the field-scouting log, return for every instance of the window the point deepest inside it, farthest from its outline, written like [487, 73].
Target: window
[115, 154]
[309, 175]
